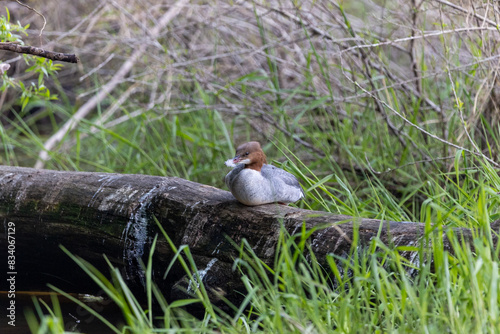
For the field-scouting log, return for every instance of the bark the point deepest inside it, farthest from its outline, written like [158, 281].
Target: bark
[97, 213]
[31, 50]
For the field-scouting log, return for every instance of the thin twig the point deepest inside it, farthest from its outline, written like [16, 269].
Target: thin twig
[97, 68]
[424, 35]
[43, 17]
[455, 6]
[405, 165]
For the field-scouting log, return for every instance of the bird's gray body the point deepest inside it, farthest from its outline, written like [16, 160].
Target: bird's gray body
[270, 185]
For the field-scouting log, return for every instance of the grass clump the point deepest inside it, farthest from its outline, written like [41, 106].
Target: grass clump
[371, 289]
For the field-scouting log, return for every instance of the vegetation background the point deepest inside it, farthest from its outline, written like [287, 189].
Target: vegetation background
[383, 109]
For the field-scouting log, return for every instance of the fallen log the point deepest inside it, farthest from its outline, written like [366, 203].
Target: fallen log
[98, 213]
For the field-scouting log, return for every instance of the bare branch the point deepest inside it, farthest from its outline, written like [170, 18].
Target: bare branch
[31, 50]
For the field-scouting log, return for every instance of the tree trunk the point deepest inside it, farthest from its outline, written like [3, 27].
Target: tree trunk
[97, 213]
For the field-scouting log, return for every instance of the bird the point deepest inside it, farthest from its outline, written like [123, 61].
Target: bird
[253, 182]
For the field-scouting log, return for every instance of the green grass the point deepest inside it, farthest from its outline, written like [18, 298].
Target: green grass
[373, 289]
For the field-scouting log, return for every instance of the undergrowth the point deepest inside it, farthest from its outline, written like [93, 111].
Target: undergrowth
[373, 289]
[385, 111]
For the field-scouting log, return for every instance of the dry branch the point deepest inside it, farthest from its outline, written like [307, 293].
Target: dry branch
[31, 50]
[96, 213]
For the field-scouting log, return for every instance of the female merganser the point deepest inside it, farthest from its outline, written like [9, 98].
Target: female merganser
[253, 182]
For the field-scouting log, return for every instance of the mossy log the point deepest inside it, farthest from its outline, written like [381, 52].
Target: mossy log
[92, 214]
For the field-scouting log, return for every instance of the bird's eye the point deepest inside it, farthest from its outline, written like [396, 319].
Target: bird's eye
[246, 153]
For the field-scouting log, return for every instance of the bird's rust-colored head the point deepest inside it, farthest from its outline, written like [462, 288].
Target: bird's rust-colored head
[251, 155]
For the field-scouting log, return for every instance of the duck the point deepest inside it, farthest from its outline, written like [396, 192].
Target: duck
[253, 182]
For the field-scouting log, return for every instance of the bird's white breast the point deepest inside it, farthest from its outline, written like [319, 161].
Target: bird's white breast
[250, 187]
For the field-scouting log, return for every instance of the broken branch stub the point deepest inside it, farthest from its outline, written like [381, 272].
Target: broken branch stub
[98, 213]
